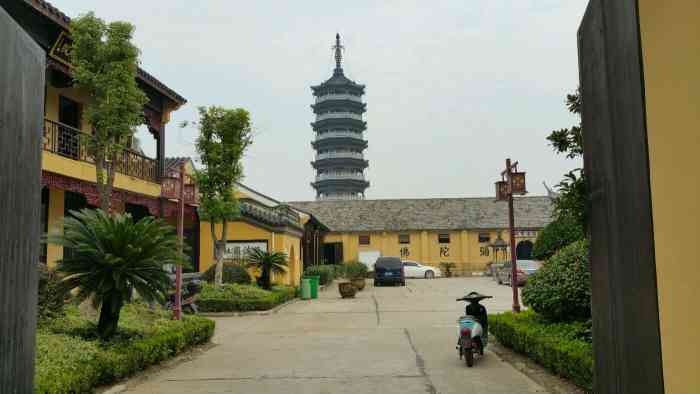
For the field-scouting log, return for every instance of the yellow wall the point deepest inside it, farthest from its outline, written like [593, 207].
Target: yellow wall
[78, 169]
[464, 248]
[56, 208]
[241, 231]
[670, 36]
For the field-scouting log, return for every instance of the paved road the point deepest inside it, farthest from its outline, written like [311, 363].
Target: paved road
[387, 340]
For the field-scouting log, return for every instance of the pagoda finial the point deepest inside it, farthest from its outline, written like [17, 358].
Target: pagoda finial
[338, 53]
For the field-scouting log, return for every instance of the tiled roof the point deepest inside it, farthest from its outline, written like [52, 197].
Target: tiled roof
[427, 214]
[53, 13]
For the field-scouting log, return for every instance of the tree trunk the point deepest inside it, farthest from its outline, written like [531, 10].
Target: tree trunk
[219, 249]
[109, 317]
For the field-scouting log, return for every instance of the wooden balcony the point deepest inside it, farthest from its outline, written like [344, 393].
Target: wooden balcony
[171, 189]
[69, 142]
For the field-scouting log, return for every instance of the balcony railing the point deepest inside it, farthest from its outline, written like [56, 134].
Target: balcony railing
[327, 176]
[327, 97]
[339, 155]
[338, 134]
[72, 143]
[338, 115]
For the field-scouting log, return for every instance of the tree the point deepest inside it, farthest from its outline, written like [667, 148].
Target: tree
[268, 264]
[572, 189]
[224, 136]
[105, 66]
[112, 256]
[561, 232]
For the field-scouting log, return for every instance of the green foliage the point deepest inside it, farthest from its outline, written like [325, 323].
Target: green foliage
[561, 347]
[447, 267]
[239, 298]
[561, 232]
[233, 272]
[224, 136]
[326, 273]
[339, 270]
[70, 358]
[572, 189]
[105, 66]
[561, 289]
[268, 264]
[355, 270]
[52, 293]
[112, 256]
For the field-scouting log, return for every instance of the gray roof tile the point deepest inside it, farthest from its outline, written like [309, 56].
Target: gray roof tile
[427, 214]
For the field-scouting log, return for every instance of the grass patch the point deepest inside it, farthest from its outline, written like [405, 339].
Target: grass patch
[563, 348]
[241, 298]
[71, 359]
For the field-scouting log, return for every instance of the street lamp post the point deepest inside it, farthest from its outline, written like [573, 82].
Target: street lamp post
[512, 183]
[177, 312]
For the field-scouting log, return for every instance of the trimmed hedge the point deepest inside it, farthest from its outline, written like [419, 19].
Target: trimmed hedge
[241, 298]
[563, 348]
[326, 272]
[355, 270]
[71, 359]
[232, 273]
[561, 289]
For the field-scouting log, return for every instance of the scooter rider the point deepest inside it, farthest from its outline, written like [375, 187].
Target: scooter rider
[477, 310]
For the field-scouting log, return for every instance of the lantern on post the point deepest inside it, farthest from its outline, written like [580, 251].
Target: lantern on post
[501, 191]
[512, 183]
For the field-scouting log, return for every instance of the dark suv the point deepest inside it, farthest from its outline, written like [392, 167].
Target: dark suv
[389, 270]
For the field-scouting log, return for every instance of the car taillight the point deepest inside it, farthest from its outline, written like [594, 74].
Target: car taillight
[466, 332]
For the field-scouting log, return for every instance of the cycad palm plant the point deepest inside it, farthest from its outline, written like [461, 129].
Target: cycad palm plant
[268, 264]
[111, 256]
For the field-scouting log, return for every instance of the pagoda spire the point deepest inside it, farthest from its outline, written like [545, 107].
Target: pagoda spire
[338, 54]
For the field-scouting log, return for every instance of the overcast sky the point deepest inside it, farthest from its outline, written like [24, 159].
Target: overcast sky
[453, 87]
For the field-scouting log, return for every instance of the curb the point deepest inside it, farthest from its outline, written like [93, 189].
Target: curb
[250, 313]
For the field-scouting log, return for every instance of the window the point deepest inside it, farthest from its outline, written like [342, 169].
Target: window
[484, 237]
[44, 221]
[410, 264]
[364, 239]
[404, 238]
[444, 238]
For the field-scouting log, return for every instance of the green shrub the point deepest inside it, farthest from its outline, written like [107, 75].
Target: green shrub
[556, 346]
[241, 298]
[339, 270]
[52, 293]
[554, 236]
[71, 359]
[232, 273]
[355, 270]
[326, 272]
[561, 289]
[447, 268]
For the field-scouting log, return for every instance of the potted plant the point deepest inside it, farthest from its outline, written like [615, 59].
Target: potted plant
[356, 273]
[347, 289]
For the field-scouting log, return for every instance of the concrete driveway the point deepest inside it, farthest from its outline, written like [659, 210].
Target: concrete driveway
[387, 340]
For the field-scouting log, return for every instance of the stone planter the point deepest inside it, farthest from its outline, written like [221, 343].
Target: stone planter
[347, 289]
[358, 283]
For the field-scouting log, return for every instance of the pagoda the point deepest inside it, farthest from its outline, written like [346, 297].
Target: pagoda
[339, 136]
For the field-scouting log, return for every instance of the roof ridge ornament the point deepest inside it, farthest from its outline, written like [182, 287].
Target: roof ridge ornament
[338, 48]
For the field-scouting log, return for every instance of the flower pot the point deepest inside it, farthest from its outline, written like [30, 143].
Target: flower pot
[347, 289]
[358, 283]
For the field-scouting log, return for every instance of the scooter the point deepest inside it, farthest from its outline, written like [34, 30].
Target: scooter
[190, 290]
[472, 336]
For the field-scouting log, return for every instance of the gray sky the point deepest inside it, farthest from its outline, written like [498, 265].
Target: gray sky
[453, 87]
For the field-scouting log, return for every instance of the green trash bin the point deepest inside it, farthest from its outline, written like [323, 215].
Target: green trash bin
[306, 289]
[315, 279]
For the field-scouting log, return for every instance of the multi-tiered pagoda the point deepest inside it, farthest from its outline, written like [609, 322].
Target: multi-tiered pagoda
[339, 136]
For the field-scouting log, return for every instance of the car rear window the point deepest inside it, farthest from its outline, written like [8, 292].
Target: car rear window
[388, 263]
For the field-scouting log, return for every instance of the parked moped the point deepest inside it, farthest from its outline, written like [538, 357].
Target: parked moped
[188, 305]
[473, 328]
